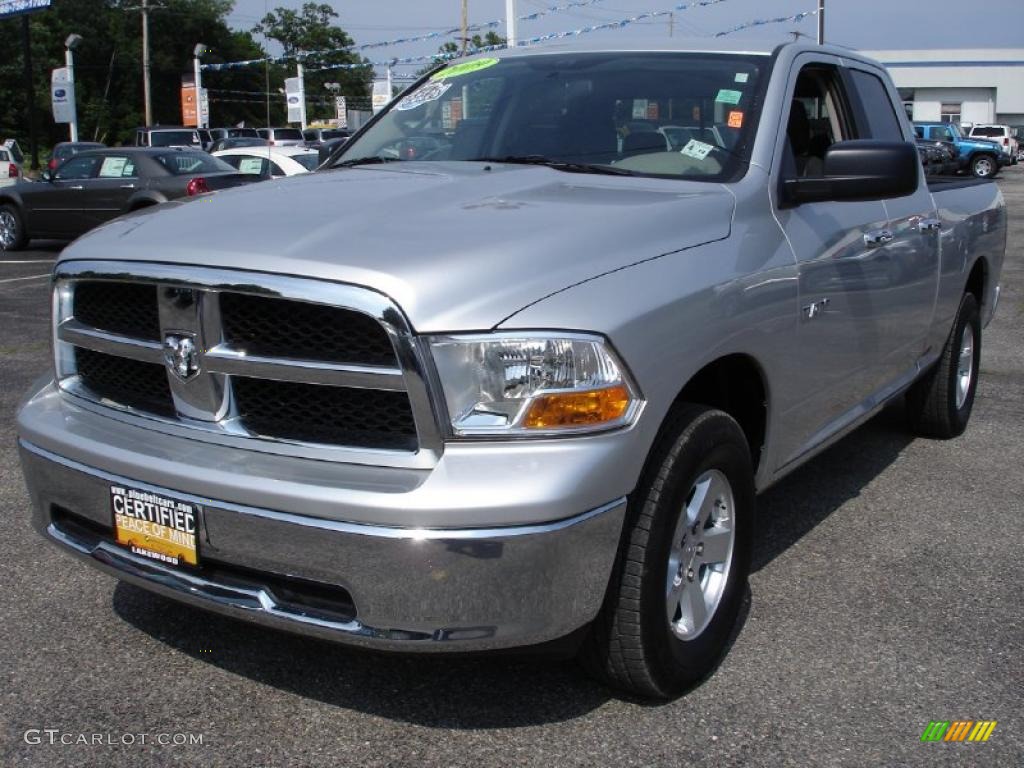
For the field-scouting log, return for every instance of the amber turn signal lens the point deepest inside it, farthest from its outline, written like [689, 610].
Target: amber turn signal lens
[577, 409]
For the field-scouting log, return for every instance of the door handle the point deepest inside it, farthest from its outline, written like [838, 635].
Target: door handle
[76, 186]
[878, 238]
[929, 225]
[127, 186]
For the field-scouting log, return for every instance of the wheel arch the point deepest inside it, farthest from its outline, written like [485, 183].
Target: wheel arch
[977, 280]
[736, 384]
[144, 201]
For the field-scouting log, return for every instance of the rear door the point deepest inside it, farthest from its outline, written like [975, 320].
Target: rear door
[910, 256]
[842, 275]
[106, 196]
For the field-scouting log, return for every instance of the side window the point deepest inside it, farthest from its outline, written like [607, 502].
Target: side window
[117, 167]
[249, 164]
[879, 119]
[919, 131]
[275, 170]
[80, 167]
[942, 134]
[817, 120]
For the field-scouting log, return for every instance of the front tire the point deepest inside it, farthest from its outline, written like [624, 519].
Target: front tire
[939, 404]
[12, 229]
[680, 577]
[985, 166]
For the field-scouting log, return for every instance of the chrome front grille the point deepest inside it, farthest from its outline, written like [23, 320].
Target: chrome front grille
[292, 365]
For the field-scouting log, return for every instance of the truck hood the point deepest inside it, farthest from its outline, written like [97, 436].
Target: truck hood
[458, 246]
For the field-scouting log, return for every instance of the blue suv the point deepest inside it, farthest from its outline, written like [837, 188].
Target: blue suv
[981, 157]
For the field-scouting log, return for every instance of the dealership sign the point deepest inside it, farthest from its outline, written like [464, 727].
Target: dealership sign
[296, 99]
[17, 7]
[62, 96]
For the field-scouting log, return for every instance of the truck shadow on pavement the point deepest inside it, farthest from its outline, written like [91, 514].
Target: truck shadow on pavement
[496, 691]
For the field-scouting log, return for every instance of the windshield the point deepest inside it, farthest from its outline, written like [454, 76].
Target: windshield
[173, 138]
[288, 134]
[664, 114]
[182, 163]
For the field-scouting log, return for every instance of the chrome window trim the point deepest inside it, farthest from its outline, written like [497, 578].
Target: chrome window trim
[411, 374]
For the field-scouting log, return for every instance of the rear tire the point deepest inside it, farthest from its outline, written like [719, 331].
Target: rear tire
[12, 229]
[939, 403]
[681, 573]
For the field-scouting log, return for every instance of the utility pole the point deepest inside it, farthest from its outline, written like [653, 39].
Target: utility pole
[30, 92]
[510, 23]
[145, 63]
[821, 22]
[671, 24]
[465, 25]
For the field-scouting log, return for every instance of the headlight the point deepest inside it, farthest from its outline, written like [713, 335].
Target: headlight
[532, 384]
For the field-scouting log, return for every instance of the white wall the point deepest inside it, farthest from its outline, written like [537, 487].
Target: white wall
[977, 104]
[990, 81]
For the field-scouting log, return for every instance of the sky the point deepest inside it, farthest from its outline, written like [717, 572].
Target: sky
[864, 24]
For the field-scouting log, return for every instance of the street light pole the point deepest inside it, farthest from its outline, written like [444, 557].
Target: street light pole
[72, 42]
[301, 73]
[510, 22]
[198, 51]
[821, 22]
[145, 63]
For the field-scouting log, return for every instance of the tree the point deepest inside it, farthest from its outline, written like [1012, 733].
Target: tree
[310, 33]
[108, 66]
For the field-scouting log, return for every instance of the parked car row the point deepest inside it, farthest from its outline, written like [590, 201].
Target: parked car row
[980, 157]
[212, 139]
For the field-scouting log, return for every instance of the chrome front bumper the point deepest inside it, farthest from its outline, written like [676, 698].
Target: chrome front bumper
[407, 589]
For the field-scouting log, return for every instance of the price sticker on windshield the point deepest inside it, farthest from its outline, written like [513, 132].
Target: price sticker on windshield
[696, 149]
[427, 93]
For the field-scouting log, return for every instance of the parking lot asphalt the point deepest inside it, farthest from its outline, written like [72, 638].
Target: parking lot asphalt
[886, 592]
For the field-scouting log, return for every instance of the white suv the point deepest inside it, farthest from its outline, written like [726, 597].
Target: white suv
[11, 161]
[1000, 134]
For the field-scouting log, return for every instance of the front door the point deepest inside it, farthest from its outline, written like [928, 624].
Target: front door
[843, 266]
[57, 206]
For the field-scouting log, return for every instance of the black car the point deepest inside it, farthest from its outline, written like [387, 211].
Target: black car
[97, 185]
[65, 149]
[328, 146]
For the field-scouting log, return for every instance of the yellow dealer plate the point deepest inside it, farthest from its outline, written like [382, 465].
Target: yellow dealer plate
[155, 526]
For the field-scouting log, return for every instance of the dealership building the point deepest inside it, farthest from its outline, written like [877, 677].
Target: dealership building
[984, 85]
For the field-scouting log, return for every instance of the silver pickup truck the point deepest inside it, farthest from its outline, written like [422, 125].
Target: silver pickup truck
[513, 368]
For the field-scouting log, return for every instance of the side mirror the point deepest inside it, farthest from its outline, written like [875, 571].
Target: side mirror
[46, 175]
[859, 170]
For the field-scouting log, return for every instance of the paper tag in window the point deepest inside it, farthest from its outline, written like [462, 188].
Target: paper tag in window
[726, 96]
[735, 119]
[741, 77]
[429, 92]
[696, 149]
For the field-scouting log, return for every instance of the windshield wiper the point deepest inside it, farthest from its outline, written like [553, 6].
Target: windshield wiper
[371, 160]
[558, 165]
